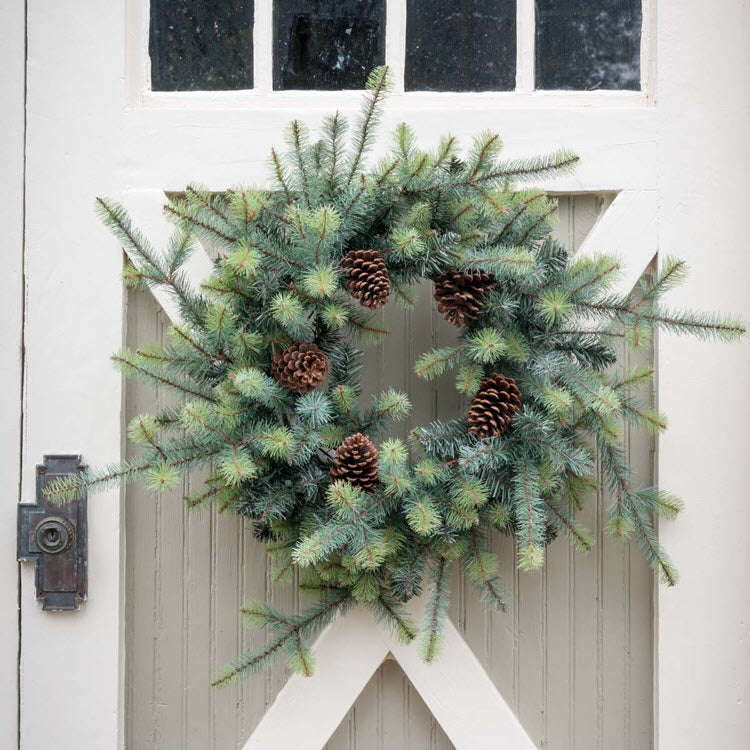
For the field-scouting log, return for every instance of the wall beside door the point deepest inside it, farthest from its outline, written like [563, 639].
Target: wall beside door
[573, 656]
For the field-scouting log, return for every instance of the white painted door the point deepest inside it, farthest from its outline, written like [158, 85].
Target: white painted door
[675, 153]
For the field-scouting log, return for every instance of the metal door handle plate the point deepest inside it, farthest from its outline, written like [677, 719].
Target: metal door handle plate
[55, 538]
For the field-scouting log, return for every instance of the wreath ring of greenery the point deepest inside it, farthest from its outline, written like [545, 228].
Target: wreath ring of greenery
[267, 363]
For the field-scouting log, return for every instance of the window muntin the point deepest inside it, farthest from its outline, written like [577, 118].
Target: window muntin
[432, 45]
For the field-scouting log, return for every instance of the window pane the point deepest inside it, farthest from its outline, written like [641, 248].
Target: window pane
[201, 45]
[460, 45]
[327, 44]
[588, 44]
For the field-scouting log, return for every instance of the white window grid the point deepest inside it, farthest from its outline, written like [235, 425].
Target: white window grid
[138, 70]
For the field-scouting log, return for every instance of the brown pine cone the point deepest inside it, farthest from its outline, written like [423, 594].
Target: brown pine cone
[460, 296]
[300, 368]
[356, 461]
[367, 276]
[494, 405]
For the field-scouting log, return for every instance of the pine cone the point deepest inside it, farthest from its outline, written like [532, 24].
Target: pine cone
[460, 296]
[367, 276]
[494, 405]
[356, 461]
[300, 368]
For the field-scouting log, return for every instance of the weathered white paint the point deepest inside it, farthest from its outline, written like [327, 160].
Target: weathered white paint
[627, 229]
[703, 650]
[146, 210]
[347, 654]
[262, 45]
[12, 136]
[456, 689]
[525, 46]
[70, 662]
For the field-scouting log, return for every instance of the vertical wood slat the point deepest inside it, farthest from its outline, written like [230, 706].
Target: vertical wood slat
[572, 657]
[141, 541]
[187, 574]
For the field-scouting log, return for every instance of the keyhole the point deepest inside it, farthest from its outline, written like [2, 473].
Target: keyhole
[54, 535]
[51, 536]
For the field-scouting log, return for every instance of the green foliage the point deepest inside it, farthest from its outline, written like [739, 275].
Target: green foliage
[290, 313]
[315, 408]
[256, 385]
[436, 610]
[549, 321]
[277, 443]
[393, 454]
[244, 260]
[486, 346]
[423, 517]
[286, 635]
[554, 306]
[236, 465]
[433, 364]
[320, 282]
[162, 477]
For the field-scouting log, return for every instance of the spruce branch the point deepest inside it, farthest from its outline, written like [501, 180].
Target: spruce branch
[390, 613]
[281, 176]
[297, 135]
[540, 221]
[129, 365]
[376, 86]
[334, 129]
[436, 611]
[194, 221]
[75, 486]
[507, 224]
[153, 269]
[555, 164]
[288, 635]
[209, 202]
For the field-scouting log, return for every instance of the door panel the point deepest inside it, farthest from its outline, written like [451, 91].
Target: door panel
[572, 657]
[389, 713]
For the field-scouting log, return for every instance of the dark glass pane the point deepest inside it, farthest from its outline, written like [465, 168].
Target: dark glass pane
[201, 45]
[327, 44]
[588, 44]
[460, 45]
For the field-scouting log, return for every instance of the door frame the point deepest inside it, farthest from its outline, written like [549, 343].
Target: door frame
[12, 128]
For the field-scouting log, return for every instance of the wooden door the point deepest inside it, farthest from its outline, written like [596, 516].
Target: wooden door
[573, 657]
[673, 151]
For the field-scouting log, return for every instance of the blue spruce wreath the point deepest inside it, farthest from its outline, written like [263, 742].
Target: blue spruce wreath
[267, 363]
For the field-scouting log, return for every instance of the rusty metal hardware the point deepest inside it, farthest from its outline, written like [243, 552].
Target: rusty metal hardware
[55, 538]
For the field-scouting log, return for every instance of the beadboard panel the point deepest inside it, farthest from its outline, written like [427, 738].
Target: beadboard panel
[573, 656]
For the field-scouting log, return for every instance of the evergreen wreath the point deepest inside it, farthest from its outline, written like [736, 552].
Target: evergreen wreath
[268, 367]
